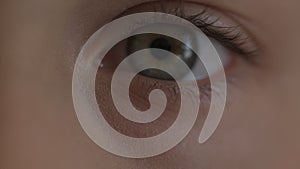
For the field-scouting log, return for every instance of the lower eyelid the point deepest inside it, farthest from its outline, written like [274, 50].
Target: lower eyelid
[140, 88]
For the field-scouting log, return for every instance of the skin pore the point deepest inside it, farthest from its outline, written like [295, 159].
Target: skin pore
[39, 128]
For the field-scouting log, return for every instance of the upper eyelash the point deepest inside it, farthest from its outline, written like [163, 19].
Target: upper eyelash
[227, 36]
[224, 35]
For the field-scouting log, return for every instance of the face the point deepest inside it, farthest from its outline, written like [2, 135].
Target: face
[257, 41]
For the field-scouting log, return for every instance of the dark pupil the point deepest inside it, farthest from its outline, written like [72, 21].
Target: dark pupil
[161, 43]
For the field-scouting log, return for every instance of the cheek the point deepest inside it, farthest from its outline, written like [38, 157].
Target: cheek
[252, 127]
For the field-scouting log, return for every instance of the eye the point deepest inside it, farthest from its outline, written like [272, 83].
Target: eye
[145, 41]
[230, 41]
[182, 50]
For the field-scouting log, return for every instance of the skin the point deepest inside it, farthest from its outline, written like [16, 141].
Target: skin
[39, 127]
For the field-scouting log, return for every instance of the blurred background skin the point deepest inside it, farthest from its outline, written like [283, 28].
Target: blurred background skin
[40, 40]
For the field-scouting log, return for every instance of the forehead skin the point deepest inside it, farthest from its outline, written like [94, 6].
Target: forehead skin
[40, 41]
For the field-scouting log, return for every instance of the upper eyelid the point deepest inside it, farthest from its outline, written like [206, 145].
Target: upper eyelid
[220, 5]
[177, 6]
[238, 17]
[223, 33]
[232, 35]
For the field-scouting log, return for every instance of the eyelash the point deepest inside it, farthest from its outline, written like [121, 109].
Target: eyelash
[227, 36]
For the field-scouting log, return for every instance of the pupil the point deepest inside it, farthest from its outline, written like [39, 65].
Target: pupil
[160, 43]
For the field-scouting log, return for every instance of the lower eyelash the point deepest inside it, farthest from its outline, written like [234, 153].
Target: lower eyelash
[149, 84]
